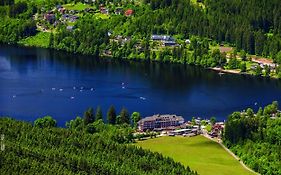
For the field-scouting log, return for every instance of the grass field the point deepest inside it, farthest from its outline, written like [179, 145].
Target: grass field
[101, 16]
[41, 39]
[78, 6]
[199, 153]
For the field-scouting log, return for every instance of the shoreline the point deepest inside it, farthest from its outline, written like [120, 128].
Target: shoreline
[225, 71]
[217, 69]
[220, 70]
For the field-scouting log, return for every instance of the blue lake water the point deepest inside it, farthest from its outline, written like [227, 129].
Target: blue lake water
[37, 82]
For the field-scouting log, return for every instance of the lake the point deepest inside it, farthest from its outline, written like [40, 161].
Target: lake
[37, 82]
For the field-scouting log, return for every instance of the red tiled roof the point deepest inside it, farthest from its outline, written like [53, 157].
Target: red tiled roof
[129, 12]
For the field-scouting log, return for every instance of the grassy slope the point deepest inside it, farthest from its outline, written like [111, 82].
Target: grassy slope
[41, 39]
[199, 153]
[78, 6]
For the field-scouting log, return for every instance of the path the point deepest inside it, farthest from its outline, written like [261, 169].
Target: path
[231, 153]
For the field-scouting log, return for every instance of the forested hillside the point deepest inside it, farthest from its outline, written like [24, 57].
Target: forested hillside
[256, 138]
[45, 149]
[102, 28]
[253, 25]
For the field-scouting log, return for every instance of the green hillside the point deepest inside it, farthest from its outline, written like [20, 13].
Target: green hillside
[201, 154]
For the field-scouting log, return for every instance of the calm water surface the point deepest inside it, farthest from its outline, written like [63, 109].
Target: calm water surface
[39, 82]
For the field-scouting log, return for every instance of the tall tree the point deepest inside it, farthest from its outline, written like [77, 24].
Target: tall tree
[135, 118]
[124, 116]
[45, 122]
[111, 115]
[98, 113]
[75, 124]
[89, 116]
[213, 120]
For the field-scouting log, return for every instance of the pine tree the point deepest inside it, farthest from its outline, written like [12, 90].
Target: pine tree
[111, 115]
[98, 114]
[124, 116]
[89, 116]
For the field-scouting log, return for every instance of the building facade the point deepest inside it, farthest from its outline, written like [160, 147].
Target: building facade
[160, 122]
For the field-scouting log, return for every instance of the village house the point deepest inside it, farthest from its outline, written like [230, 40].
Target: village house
[162, 38]
[50, 17]
[217, 129]
[118, 11]
[187, 41]
[129, 12]
[165, 39]
[70, 28]
[103, 10]
[169, 43]
[160, 122]
[121, 40]
[61, 9]
[89, 1]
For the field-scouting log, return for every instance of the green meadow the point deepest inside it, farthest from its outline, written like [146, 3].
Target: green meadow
[77, 6]
[199, 153]
[41, 39]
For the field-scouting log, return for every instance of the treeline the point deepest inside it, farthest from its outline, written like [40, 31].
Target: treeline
[43, 148]
[256, 138]
[90, 116]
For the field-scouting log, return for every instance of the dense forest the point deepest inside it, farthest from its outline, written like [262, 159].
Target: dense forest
[256, 138]
[84, 147]
[253, 25]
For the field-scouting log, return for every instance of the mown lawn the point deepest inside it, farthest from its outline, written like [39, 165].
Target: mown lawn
[78, 6]
[199, 153]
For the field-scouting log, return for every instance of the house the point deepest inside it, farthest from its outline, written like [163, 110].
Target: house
[162, 38]
[187, 41]
[103, 10]
[50, 17]
[70, 28]
[166, 40]
[89, 1]
[129, 12]
[160, 122]
[73, 18]
[169, 43]
[217, 129]
[58, 6]
[62, 10]
[118, 11]
[122, 40]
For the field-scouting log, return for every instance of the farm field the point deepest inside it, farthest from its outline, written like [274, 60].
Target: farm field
[205, 156]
